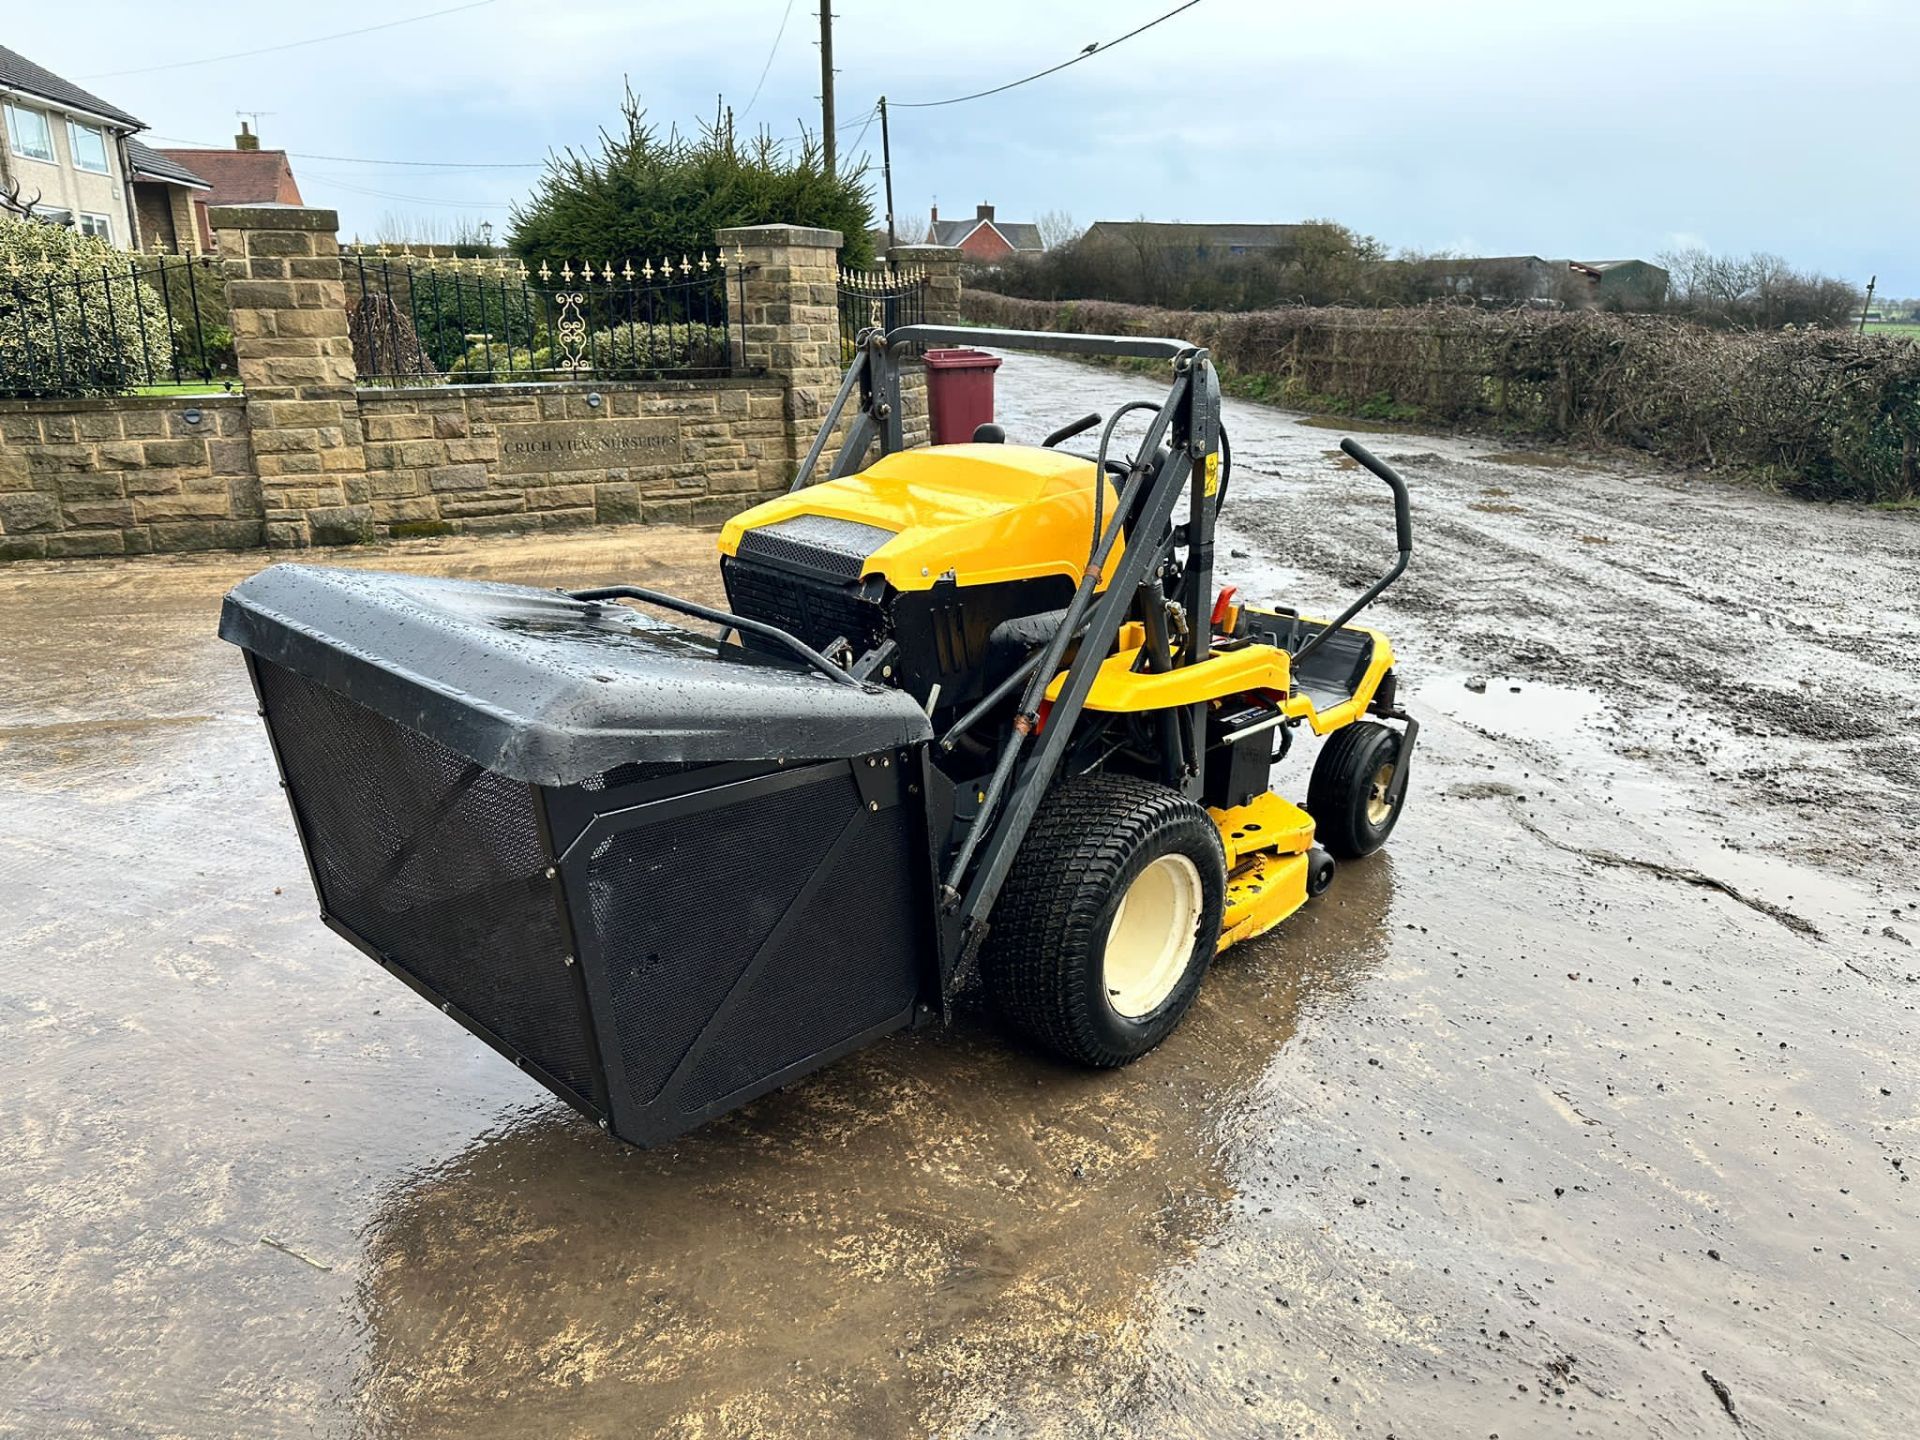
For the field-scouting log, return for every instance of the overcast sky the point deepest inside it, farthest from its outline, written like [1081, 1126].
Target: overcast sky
[1481, 126]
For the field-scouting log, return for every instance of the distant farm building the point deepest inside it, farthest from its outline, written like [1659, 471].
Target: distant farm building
[1622, 284]
[1204, 241]
[1531, 280]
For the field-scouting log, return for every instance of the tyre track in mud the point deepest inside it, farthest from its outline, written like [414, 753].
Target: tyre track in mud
[1541, 1121]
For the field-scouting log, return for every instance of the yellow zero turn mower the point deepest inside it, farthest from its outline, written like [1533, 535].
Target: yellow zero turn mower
[974, 710]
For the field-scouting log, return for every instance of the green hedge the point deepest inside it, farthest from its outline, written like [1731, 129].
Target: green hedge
[1830, 413]
[74, 320]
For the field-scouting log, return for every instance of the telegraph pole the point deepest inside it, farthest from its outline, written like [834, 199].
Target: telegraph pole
[826, 81]
[1865, 305]
[886, 169]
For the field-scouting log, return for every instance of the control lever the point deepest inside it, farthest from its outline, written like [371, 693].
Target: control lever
[1067, 432]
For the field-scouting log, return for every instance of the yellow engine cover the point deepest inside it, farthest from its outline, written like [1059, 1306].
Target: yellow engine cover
[986, 512]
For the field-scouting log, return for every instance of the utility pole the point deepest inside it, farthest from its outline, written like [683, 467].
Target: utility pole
[826, 81]
[1867, 304]
[886, 169]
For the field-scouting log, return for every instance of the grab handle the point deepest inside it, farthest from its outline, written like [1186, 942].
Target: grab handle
[719, 617]
[1403, 535]
[1402, 507]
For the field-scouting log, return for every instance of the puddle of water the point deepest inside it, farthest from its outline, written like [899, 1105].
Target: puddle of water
[1260, 582]
[1544, 460]
[1352, 422]
[1517, 708]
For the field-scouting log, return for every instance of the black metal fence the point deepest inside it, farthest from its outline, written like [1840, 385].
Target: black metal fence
[432, 320]
[113, 327]
[879, 297]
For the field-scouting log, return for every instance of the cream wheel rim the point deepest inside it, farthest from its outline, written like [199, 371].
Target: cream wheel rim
[1150, 942]
[1379, 795]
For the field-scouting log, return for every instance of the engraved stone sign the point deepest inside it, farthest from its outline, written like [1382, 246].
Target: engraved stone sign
[589, 445]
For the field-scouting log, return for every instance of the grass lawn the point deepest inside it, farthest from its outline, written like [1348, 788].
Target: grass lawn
[1903, 329]
[187, 387]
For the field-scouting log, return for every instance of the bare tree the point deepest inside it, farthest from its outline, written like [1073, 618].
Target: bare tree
[1056, 228]
[463, 232]
[1758, 291]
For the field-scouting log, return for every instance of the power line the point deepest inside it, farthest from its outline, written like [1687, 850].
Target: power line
[859, 123]
[363, 160]
[289, 45]
[772, 50]
[863, 129]
[1086, 54]
[338, 184]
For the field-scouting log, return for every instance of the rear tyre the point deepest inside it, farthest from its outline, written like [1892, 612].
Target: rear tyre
[1348, 794]
[1108, 921]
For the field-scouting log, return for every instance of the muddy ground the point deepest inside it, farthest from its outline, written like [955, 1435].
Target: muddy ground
[1587, 1108]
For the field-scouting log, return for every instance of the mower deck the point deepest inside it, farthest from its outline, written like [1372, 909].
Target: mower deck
[1267, 842]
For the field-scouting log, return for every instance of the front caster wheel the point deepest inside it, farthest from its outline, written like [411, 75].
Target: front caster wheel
[1108, 921]
[1350, 795]
[1319, 871]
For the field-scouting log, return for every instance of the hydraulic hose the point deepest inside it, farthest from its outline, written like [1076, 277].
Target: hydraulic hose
[1100, 468]
[1037, 679]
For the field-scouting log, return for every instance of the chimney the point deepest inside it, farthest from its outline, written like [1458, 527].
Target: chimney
[983, 212]
[246, 139]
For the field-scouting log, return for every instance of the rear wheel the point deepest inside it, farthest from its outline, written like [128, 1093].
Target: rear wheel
[1108, 921]
[1350, 794]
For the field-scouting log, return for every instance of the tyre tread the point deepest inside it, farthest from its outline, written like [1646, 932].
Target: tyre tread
[1080, 841]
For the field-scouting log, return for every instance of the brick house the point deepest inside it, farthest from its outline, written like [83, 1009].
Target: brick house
[244, 175]
[168, 201]
[985, 238]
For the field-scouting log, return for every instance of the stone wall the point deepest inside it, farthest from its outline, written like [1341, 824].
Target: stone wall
[462, 458]
[308, 457]
[126, 477]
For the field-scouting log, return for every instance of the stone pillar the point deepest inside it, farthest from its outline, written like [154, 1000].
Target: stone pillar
[942, 264]
[282, 266]
[790, 293]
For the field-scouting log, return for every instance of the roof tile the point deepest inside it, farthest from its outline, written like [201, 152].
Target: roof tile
[19, 73]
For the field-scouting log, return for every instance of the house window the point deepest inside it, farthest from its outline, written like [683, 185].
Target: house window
[89, 147]
[98, 226]
[32, 137]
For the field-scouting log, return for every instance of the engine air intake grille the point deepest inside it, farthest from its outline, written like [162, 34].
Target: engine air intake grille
[817, 544]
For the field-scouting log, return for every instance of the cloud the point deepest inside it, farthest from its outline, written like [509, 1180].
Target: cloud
[1539, 129]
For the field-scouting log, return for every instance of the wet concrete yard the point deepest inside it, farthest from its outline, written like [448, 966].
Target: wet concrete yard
[1587, 1108]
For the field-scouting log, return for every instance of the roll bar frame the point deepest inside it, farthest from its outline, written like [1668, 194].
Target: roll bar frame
[1171, 463]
